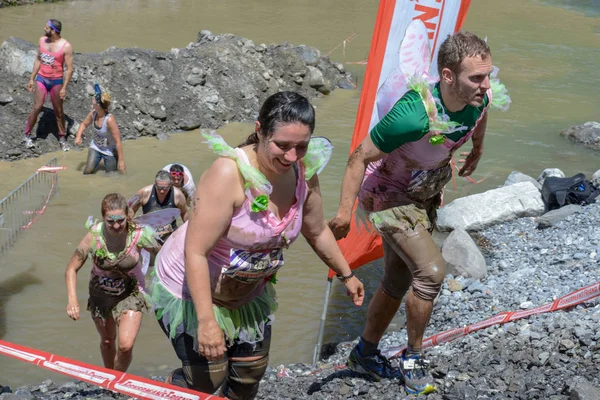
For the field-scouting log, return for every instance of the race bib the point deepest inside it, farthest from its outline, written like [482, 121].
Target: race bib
[46, 59]
[100, 141]
[114, 286]
[425, 184]
[247, 266]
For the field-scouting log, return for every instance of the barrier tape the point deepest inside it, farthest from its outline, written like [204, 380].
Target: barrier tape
[572, 299]
[38, 213]
[127, 384]
[46, 168]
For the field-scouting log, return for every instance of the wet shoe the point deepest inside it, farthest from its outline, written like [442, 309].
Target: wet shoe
[376, 366]
[176, 378]
[415, 370]
[28, 142]
[64, 145]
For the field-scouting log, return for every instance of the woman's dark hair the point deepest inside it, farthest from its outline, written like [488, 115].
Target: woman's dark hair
[176, 168]
[283, 108]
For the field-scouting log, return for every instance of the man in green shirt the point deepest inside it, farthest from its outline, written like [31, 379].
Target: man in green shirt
[406, 160]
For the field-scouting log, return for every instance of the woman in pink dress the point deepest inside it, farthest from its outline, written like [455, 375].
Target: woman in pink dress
[213, 292]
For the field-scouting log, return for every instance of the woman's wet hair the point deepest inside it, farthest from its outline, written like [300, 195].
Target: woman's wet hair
[176, 168]
[105, 100]
[282, 108]
[116, 201]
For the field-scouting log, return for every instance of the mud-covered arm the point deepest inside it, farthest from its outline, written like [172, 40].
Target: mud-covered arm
[77, 260]
[473, 157]
[360, 158]
[116, 134]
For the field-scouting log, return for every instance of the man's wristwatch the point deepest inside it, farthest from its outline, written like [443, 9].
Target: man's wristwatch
[346, 278]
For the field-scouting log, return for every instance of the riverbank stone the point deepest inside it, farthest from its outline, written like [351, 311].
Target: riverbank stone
[587, 134]
[463, 257]
[478, 211]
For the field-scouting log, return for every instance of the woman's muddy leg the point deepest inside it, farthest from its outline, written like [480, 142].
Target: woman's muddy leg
[129, 325]
[107, 328]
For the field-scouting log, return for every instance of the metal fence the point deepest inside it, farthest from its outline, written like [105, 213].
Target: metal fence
[23, 205]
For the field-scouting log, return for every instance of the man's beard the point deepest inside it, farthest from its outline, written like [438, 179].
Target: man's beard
[464, 95]
[48, 34]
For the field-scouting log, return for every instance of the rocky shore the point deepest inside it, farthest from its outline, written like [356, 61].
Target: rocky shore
[530, 261]
[10, 3]
[214, 80]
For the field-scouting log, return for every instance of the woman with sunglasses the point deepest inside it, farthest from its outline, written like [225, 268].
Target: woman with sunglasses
[181, 177]
[214, 293]
[106, 143]
[117, 295]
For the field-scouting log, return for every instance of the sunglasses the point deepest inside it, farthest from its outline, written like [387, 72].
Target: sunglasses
[115, 219]
[163, 187]
[176, 173]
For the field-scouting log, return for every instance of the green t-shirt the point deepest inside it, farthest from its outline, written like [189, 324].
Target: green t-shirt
[407, 121]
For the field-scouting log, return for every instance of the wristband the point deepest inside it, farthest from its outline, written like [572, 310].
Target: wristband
[346, 278]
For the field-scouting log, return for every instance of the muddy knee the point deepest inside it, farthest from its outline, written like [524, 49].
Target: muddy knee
[244, 379]
[428, 279]
[206, 377]
[107, 343]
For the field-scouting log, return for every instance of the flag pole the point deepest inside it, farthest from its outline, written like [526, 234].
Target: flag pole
[323, 319]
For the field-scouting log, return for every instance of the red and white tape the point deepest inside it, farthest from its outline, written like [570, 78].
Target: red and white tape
[127, 384]
[572, 299]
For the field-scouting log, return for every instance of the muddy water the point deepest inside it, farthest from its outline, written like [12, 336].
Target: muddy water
[548, 58]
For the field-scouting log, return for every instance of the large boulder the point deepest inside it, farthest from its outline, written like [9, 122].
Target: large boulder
[550, 172]
[595, 179]
[17, 57]
[478, 211]
[552, 217]
[517, 177]
[462, 256]
[587, 134]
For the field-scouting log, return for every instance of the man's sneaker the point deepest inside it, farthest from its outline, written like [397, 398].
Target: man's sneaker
[415, 370]
[28, 142]
[376, 366]
[63, 144]
[176, 378]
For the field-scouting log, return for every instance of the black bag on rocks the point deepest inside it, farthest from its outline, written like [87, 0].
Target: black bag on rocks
[556, 192]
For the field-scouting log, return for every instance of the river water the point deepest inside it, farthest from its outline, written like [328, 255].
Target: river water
[548, 55]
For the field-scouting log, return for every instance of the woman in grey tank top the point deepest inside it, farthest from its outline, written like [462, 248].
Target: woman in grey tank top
[105, 145]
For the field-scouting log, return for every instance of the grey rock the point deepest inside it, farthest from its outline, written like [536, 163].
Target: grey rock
[516, 177]
[195, 79]
[309, 55]
[462, 256]
[595, 179]
[581, 389]
[481, 210]
[17, 56]
[550, 218]
[154, 109]
[5, 99]
[550, 172]
[587, 134]
[189, 124]
[314, 77]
